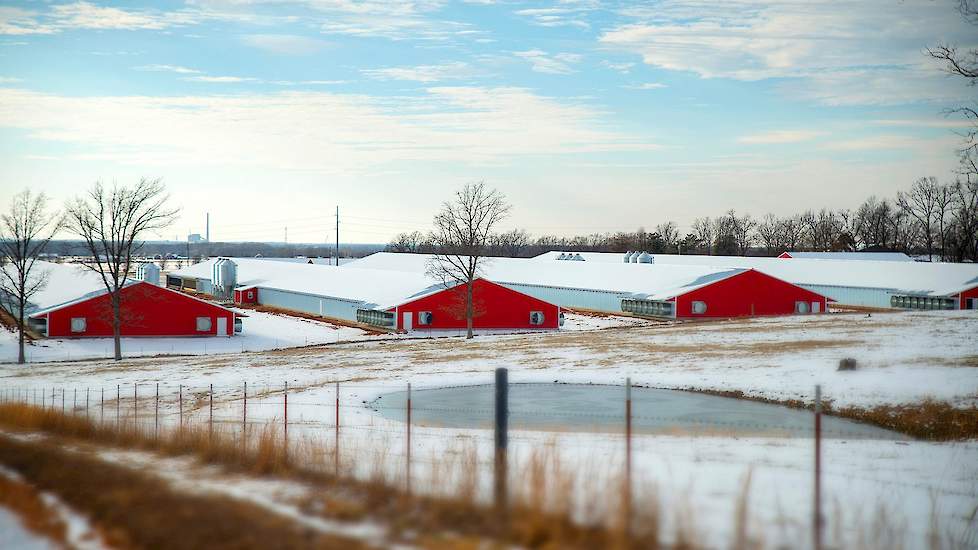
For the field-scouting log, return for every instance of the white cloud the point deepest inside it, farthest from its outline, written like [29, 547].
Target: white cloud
[167, 69]
[883, 142]
[542, 62]
[925, 123]
[86, 15]
[218, 79]
[842, 52]
[10, 80]
[285, 44]
[325, 132]
[423, 73]
[566, 14]
[646, 86]
[780, 136]
[623, 68]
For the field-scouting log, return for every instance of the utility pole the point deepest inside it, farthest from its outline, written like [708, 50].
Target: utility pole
[337, 235]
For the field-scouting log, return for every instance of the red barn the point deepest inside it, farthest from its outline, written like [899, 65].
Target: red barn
[496, 308]
[246, 295]
[147, 310]
[749, 293]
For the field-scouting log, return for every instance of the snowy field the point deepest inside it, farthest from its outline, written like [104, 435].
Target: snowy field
[262, 331]
[903, 358]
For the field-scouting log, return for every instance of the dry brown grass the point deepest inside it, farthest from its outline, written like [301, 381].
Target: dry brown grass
[138, 510]
[454, 519]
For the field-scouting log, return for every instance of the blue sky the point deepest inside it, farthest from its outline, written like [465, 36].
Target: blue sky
[589, 116]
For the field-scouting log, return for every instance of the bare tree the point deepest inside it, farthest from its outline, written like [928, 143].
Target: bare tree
[770, 230]
[112, 222]
[462, 232]
[920, 203]
[25, 230]
[703, 229]
[963, 63]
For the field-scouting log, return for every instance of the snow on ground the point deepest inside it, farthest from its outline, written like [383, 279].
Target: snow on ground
[903, 357]
[262, 331]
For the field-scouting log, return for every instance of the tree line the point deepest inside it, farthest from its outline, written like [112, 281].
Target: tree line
[935, 220]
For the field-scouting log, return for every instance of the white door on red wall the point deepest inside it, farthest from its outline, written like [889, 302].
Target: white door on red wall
[816, 307]
[408, 323]
[222, 326]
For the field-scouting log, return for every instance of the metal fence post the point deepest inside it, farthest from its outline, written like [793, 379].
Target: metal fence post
[500, 488]
[86, 404]
[101, 418]
[408, 452]
[336, 436]
[135, 407]
[244, 418]
[210, 413]
[817, 520]
[74, 400]
[627, 494]
[118, 403]
[181, 408]
[285, 421]
[156, 413]
[62, 400]
[44, 403]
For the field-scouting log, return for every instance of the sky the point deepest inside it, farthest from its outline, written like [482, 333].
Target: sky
[589, 116]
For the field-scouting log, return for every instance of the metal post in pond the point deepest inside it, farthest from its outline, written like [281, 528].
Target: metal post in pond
[118, 403]
[181, 407]
[156, 413]
[210, 414]
[627, 489]
[74, 400]
[101, 416]
[135, 407]
[817, 519]
[407, 478]
[62, 400]
[86, 404]
[502, 439]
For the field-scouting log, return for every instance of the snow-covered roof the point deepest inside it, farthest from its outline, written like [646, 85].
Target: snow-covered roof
[659, 283]
[66, 283]
[376, 289]
[872, 256]
[916, 278]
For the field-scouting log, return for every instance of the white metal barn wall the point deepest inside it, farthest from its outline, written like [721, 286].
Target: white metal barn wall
[598, 300]
[312, 304]
[854, 296]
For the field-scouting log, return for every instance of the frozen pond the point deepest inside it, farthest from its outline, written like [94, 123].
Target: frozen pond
[587, 408]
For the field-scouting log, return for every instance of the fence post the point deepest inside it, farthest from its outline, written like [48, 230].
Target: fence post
[135, 407]
[86, 404]
[118, 403]
[408, 453]
[62, 400]
[210, 413]
[101, 417]
[502, 439]
[156, 413]
[627, 490]
[336, 437]
[285, 421]
[817, 519]
[181, 408]
[44, 403]
[244, 419]
[74, 400]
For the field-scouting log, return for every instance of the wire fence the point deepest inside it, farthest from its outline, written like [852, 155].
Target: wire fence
[409, 418]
